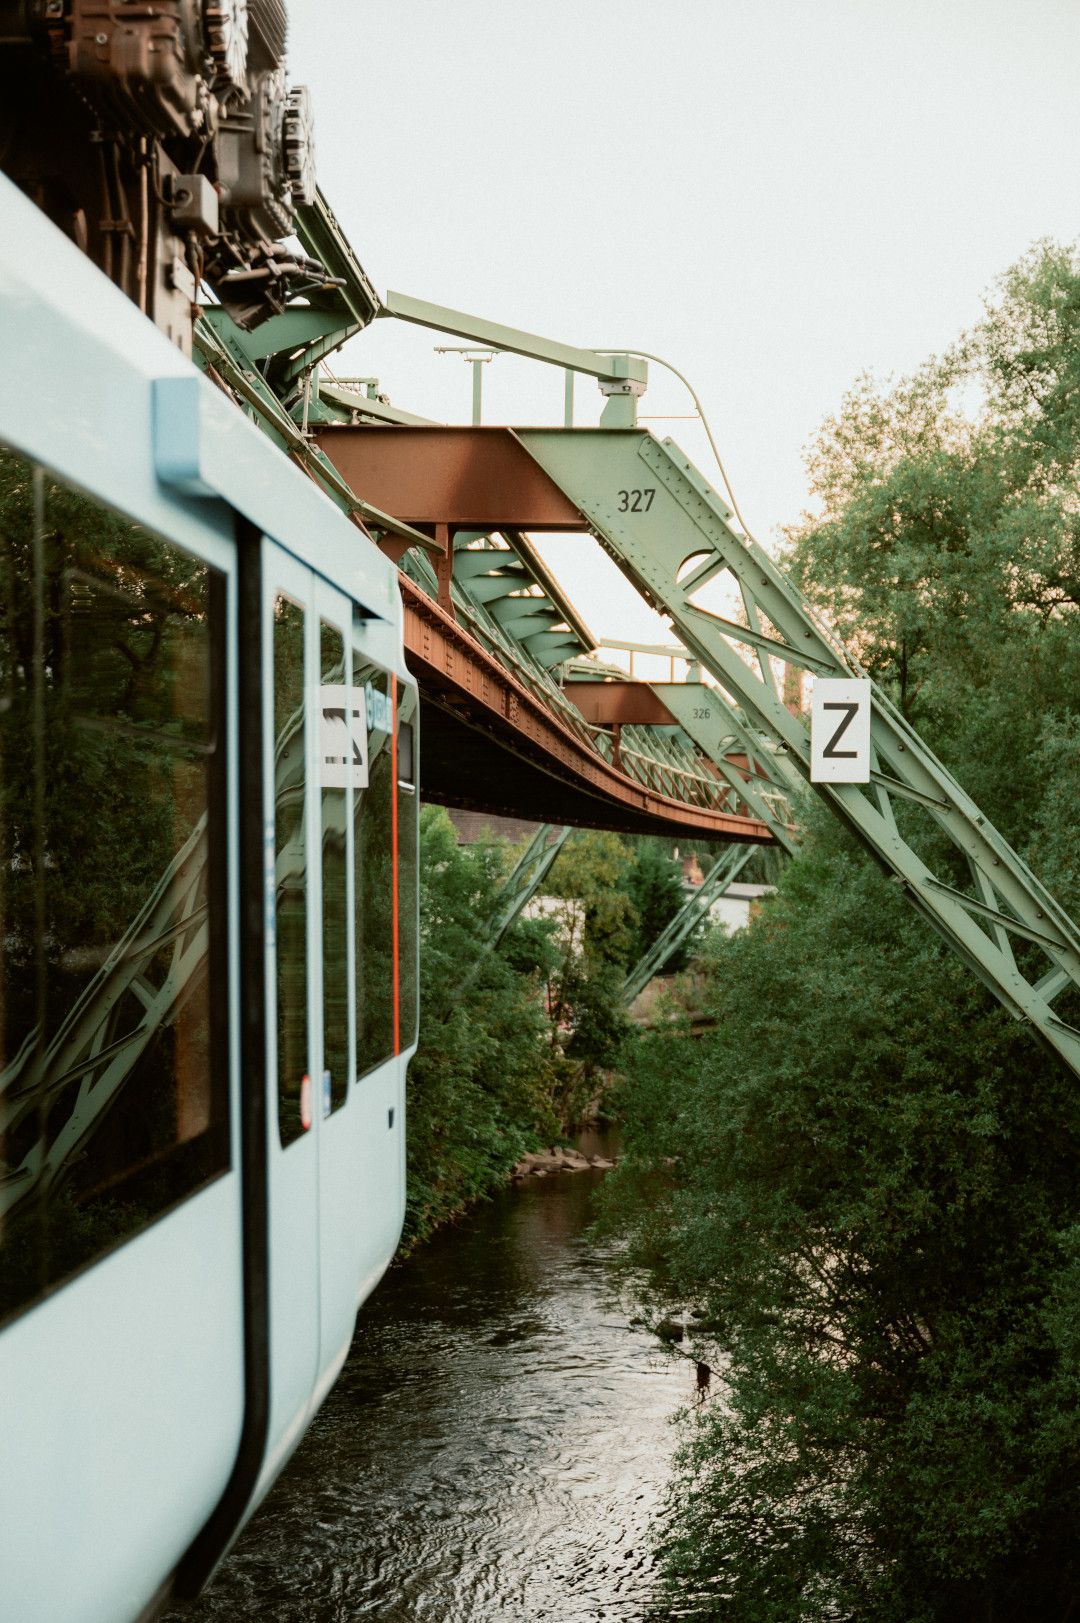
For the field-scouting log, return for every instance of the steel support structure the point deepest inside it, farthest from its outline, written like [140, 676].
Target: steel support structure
[673, 540]
[670, 533]
[452, 666]
[521, 884]
[679, 929]
[532, 867]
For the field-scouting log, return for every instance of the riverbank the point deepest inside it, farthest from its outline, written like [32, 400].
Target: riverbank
[556, 1159]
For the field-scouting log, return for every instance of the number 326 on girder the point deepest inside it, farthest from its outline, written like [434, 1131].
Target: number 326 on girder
[840, 730]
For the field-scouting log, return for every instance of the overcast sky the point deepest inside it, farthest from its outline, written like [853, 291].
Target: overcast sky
[776, 195]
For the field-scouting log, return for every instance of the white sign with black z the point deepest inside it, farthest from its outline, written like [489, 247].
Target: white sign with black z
[840, 730]
[343, 752]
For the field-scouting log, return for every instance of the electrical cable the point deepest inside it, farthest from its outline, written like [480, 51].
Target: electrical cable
[644, 355]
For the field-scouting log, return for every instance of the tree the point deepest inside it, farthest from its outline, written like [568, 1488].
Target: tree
[654, 886]
[481, 1087]
[584, 996]
[865, 1179]
[589, 870]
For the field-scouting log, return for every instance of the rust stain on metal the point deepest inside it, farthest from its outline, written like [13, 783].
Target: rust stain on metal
[456, 670]
[470, 478]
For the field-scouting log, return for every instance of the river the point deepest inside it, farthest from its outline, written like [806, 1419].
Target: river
[494, 1451]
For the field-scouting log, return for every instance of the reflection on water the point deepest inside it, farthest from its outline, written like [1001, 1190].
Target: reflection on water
[494, 1450]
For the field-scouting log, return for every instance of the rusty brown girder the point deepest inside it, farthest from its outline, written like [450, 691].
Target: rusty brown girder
[492, 745]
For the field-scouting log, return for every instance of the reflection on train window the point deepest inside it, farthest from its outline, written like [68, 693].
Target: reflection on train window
[290, 782]
[113, 1082]
[408, 898]
[374, 877]
[335, 901]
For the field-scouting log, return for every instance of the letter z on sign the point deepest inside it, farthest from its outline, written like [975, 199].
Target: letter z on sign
[840, 731]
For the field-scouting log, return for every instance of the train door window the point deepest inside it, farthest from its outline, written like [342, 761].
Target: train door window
[113, 946]
[373, 846]
[408, 897]
[290, 786]
[335, 753]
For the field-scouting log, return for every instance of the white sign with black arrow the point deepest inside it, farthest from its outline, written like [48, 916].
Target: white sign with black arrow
[343, 741]
[840, 730]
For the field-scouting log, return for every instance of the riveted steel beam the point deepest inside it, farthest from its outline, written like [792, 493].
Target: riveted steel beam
[679, 929]
[456, 672]
[672, 539]
[470, 478]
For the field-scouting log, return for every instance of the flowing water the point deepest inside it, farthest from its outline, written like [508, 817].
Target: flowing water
[495, 1448]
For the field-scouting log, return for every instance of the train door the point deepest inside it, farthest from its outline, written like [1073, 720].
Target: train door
[343, 750]
[361, 1170]
[291, 655]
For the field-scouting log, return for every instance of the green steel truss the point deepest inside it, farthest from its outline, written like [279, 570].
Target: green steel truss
[679, 929]
[720, 731]
[670, 533]
[972, 887]
[532, 867]
[533, 864]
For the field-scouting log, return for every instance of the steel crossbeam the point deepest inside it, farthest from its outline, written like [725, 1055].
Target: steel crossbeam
[720, 732]
[679, 929]
[747, 762]
[523, 881]
[521, 884]
[674, 540]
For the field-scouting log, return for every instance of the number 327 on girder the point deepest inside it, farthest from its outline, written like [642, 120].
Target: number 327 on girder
[840, 731]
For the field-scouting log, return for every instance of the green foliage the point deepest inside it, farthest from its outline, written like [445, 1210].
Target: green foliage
[481, 1087]
[654, 886]
[589, 1023]
[588, 870]
[512, 1040]
[865, 1178]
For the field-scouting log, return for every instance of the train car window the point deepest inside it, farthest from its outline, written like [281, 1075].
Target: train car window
[290, 784]
[113, 949]
[408, 898]
[373, 839]
[335, 753]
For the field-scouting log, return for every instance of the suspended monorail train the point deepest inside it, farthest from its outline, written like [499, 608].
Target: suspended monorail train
[208, 940]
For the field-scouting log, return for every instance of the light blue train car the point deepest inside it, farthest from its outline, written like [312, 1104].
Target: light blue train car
[208, 923]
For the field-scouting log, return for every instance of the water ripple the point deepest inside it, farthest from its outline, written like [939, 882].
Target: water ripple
[495, 1449]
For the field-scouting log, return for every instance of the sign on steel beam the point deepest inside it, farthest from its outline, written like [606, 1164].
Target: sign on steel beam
[669, 532]
[840, 730]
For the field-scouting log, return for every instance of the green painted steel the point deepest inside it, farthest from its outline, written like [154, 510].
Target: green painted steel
[521, 884]
[669, 532]
[679, 930]
[720, 730]
[526, 876]
[353, 297]
[338, 402]
[340, 304]
[290, 331]
[622, 378]
[218, 348]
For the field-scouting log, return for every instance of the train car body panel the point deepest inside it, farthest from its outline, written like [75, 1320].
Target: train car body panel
[126, 1428]
[123, 1357]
